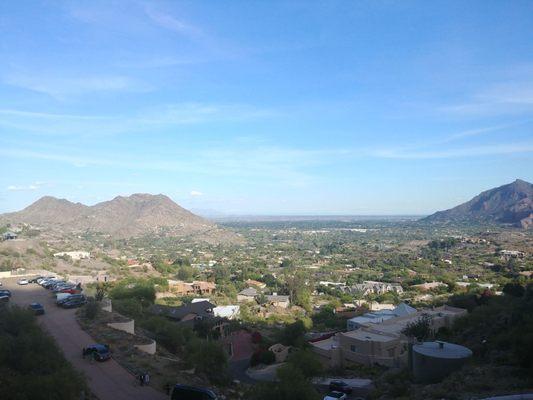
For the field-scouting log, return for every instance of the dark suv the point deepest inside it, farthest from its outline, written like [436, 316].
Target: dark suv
[340, 386]
[183, 392]
[70, 298]
[73, 303]
[100, 352]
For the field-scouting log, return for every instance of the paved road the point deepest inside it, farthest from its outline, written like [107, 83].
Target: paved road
[108, 380]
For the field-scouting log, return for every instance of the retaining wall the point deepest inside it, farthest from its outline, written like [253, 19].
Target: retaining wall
[128, 327]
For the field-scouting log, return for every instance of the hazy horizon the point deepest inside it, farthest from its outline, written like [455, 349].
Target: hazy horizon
[251, 108]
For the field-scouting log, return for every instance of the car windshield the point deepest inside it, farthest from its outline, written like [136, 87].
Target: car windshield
[337, 395]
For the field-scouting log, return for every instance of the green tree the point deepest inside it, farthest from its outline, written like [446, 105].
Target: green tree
[514, 289]
[185, 273]
[292, 385]
[208, 357]
[307, 362]
[419, 329]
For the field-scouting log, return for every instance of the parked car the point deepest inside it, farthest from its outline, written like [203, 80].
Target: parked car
[34, 280]
[0, 283]
[69, 297]
[340, 386]
[184, 392]
[100, 352]
[73, 303]
[45, 278]
[49, 284]
[70, 290]
[5, 292]
[59, 288]
[37, 308]
[336, 396]
[23, 282]
[4, 298]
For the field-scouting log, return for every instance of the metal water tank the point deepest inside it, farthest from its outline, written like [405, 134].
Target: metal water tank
[433, 361]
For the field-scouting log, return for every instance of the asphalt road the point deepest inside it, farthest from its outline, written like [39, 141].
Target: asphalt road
[107, 380]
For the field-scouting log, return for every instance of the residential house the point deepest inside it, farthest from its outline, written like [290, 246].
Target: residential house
[377, 317]
[186, 313]
[9, 236]
[201, 287]
[248, 294]
[372, 287]
[181, 288]
[429, 286]
[75, 255]
[380, 342]
[254, 283]
[228, 312]
[508, 254]
[278, 301]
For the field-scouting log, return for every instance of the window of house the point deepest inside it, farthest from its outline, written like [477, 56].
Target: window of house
[391, 352]
[353, 348]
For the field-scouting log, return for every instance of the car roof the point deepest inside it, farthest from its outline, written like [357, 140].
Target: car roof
[36, 305]
[98, 346]
[199, 389]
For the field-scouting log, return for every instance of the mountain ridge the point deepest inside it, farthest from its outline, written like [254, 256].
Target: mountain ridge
[511, 203]
[123, 216]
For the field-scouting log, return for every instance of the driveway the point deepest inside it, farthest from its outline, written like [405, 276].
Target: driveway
[107, 380]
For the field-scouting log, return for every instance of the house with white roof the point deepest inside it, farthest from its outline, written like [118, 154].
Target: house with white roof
[377, 317]
[380, 340]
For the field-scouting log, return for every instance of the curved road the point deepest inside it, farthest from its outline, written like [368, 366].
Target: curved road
[107, 380]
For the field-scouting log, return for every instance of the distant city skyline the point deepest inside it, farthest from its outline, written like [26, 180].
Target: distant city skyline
[266, 108]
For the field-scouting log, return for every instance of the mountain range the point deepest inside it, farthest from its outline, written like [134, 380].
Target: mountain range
[122, 217]
[507, 204]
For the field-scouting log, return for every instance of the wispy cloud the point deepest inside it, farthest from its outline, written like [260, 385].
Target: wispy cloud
[24, 188]
[251, 164]
[167, 21]
[496, 99]
[196, 193]
[60, 86]
[168, 115]
[474, 151]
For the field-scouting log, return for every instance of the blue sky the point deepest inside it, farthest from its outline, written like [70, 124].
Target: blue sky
[256, 107]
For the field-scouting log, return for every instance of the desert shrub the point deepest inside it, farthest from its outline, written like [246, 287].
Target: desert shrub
[514, 289]
[291, 385]
[129, 307]
[209, 358]
[141, 290]
[167, 333]
[91, 309]
[293, 334]
[307, 362]
[262, 356]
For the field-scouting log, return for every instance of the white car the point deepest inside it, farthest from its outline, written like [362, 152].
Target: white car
[23, 282]
[336, 396]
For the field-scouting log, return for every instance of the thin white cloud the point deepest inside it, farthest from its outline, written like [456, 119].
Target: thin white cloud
[249, 163]
[14, 188]
[196, 193]
[167, 21]
[60, 86]
[161, 116]
[496, 99]
[475, 151]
